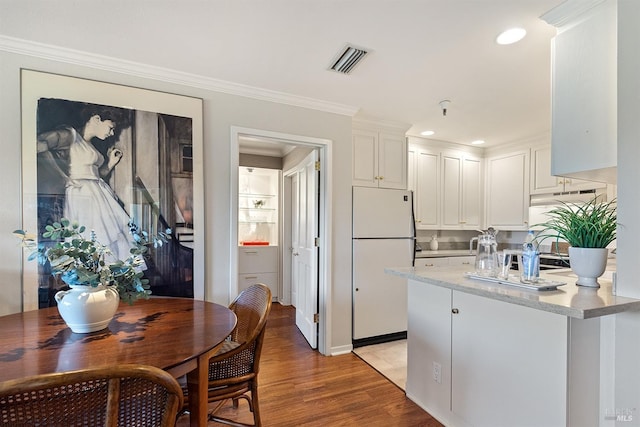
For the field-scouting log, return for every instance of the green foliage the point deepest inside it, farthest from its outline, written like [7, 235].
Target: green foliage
[589, 225]
[85, 261]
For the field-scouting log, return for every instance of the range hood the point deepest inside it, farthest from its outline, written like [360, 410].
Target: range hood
[570, 197]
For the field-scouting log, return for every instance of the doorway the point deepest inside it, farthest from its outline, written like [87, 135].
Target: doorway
[322, 148]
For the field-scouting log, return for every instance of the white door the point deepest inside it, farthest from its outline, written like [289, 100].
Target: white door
[304, 259]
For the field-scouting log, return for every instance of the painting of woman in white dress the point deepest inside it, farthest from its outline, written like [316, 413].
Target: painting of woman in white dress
[107, 167]
[88, 198]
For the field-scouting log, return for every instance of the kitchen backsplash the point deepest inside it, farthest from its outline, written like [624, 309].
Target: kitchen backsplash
[459, 239]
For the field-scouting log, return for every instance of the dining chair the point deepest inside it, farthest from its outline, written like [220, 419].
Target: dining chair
[233, 369]
[125, 395]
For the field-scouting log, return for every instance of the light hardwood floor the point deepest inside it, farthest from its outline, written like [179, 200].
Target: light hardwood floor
[300, 387]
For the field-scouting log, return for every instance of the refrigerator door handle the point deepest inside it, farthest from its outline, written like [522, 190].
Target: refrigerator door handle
[413, 229]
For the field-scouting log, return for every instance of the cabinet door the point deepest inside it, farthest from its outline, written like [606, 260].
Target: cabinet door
[461, 191]
[492, 359]
[429, 345]
[508, 191]
[427, 190]
[584, 92]
[365, 159]
[542, 182]
[392, 161]
[451, 190]
[471, 214]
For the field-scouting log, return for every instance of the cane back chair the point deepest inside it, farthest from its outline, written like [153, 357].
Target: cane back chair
[125, 395]
[233, 369]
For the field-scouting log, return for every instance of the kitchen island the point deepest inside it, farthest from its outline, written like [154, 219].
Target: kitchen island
[486, 354]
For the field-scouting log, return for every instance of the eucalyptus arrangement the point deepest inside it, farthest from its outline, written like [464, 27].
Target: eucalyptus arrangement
[79, 260]
[589, 225]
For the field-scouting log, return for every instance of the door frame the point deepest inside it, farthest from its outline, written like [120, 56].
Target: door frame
[324, 147]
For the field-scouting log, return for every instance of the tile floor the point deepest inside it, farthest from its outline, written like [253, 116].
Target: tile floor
[390, 359]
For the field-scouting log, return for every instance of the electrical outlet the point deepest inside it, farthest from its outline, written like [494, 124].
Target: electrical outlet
[437, 372]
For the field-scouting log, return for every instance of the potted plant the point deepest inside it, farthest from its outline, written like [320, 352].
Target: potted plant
[97, 279]
[588, 229]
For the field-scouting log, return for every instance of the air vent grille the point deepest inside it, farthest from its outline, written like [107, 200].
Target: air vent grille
[349, 58]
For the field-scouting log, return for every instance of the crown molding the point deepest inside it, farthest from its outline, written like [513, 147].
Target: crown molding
[568, 11]
[362, 121]
[106, 63]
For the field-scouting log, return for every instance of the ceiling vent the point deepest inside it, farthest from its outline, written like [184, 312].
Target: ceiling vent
[349, 58]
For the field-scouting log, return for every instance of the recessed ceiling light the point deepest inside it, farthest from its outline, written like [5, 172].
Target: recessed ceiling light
[478, 142]
[427, 133]
[511, 36]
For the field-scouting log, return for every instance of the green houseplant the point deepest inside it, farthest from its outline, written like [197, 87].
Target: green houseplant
[588, 229]
[88, 266]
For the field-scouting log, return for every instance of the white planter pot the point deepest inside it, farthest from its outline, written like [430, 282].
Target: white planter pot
[86, 308]
[588, 264]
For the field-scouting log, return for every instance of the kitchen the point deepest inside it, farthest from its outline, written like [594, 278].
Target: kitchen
[332, 126]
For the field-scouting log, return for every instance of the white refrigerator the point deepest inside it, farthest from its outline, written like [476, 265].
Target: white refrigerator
[383, 236]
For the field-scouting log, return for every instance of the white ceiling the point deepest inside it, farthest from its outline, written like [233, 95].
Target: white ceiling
[421, 52]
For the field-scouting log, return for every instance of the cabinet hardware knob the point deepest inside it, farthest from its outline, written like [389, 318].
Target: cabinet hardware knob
[455, 311]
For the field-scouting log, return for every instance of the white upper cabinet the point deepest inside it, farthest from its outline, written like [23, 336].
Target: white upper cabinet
[379, 159]
[461, 191]
[447, 186]
[542, 182]
[508, 191]
[424, 181]
[584, 89]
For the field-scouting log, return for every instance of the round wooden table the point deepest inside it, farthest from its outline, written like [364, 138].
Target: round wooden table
[174, 334]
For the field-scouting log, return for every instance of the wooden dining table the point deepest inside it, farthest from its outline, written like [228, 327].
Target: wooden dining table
[174, 334]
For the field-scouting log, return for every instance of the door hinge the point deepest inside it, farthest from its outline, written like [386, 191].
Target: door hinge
[316, 242]
[317, 165]
[316, 318]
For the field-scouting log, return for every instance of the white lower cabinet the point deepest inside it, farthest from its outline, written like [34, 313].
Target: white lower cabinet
[258, 264]
[440, 261]
[476, 361]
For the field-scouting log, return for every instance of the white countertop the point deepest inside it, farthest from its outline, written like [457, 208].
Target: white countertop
[444, 253]
[568, 300]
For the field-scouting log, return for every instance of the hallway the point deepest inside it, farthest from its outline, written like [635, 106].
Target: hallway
[300, 387]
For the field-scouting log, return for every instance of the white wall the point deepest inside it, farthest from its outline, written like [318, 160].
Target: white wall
[221, 111]
[627, 325]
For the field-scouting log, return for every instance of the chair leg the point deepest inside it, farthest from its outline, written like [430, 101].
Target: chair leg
[245, 397]
[256, 406]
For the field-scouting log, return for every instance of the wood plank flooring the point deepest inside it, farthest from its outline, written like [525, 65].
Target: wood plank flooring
[300, 387]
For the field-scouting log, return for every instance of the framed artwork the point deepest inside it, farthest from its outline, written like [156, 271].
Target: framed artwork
[108, 155]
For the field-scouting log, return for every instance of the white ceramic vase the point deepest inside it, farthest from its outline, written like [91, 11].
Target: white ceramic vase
[588, 264]
[87, 308]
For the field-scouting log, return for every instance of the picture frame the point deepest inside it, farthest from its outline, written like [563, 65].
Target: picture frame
[157, 180]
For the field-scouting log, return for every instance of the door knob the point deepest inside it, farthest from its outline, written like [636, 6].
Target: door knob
[296, 254]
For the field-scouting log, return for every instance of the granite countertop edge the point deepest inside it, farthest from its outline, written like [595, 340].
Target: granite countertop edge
[568, 300]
